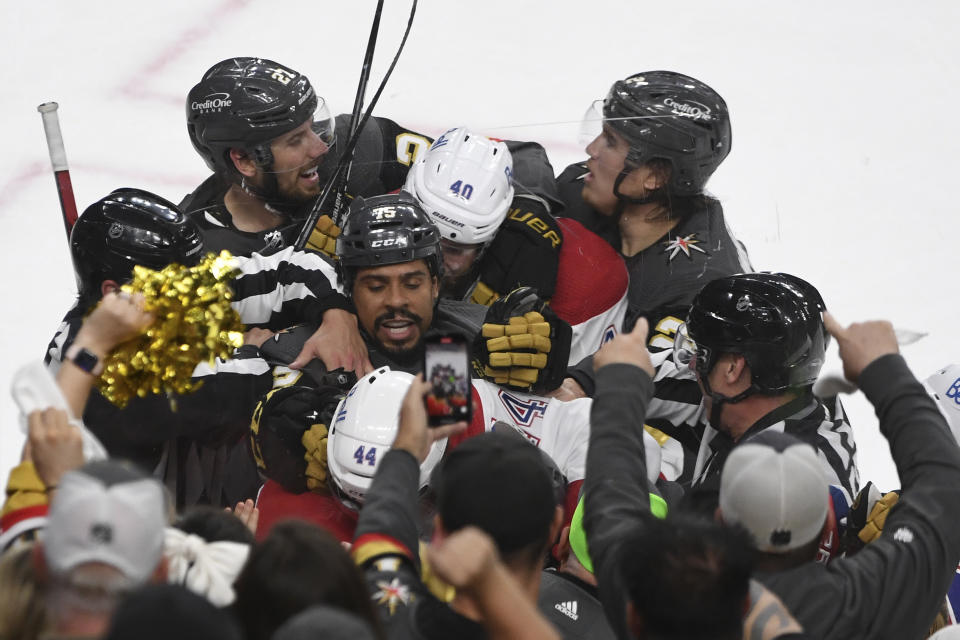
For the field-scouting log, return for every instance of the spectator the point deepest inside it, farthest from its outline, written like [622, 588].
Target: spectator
[329, 623]
[163, 612]
[780, 495]
[298, 565]
[205, 551]
[22, 600]
[680, 578]
[104, 538]
[492, 482]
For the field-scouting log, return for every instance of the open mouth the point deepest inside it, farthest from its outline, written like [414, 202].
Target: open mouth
[311, 174]
[398, 329]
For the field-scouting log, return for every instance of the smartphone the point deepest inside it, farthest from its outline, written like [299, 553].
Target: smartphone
[446, 366]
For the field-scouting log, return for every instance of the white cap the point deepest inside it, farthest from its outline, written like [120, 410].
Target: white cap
[120, 524]
[772, 485]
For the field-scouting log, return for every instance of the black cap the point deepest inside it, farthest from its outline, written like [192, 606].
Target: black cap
[499, 484]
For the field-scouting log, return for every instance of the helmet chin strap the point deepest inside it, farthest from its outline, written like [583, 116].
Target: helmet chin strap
[719, 400]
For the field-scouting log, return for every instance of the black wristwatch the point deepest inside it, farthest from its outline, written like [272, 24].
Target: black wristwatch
[85, 359]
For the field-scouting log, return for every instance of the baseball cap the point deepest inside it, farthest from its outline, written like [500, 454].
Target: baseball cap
[498, 483]
[772, 485]
[106, 512]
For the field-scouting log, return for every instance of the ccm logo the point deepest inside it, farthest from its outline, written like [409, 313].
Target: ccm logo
[388, 242]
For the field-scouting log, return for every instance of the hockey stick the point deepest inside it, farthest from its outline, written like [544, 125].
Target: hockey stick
[365, 69]
[343, 177]
[58, 160]
[337, 182]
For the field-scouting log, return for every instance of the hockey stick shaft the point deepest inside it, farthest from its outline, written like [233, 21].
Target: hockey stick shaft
[337, 182]
[58, 160]
[341, 176]
[365, 69]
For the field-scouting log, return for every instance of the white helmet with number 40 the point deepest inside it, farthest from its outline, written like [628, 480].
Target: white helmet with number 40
[364, 428]
[465, 184]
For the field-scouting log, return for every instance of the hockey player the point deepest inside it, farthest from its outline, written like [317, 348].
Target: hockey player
[272, 144]
[133, 227]
[493, 238]
[496, 235]
[315, 468]
[643, 189]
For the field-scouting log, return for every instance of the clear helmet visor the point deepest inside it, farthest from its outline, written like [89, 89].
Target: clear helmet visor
[684, 347]
[592, 124]
[323, 123]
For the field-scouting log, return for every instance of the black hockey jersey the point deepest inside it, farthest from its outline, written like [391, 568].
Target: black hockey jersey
[667, 275]
[381, 159]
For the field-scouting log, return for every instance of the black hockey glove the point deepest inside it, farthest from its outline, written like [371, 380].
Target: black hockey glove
[523, 344]
[288, 435]
[524, 253]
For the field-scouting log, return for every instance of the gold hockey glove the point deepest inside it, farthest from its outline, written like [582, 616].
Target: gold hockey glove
[323, 237]
[523, 344]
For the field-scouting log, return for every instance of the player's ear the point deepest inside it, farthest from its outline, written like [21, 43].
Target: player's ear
[109, 286]
[243, 162]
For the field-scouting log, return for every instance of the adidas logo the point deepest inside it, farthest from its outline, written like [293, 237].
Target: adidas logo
[568, 609]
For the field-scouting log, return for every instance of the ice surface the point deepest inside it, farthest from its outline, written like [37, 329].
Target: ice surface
[843, 117]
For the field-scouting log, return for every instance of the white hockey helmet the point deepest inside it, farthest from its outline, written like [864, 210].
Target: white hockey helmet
[944, 386]
[364, 428]
[465, 184]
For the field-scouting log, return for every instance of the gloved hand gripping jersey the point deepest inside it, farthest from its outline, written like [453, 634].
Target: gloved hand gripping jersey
[323, 237]
[523, 344]
[288, 435]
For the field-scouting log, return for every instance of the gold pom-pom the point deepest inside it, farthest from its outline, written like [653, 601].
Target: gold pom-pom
[194, 323]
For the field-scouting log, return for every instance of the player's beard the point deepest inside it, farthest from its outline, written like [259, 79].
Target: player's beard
[409, 356]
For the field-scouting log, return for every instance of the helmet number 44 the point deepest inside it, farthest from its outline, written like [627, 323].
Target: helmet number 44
[370, 457]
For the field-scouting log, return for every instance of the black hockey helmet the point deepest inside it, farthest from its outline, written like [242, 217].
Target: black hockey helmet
[772, 319]
[668, 115]
[245, 103]
[130, 227]
[388, 229]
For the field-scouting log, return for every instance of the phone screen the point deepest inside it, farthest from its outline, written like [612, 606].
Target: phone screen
[446, 366]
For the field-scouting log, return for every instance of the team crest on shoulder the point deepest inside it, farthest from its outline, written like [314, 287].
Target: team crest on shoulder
[392, 594]
[686, 244]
